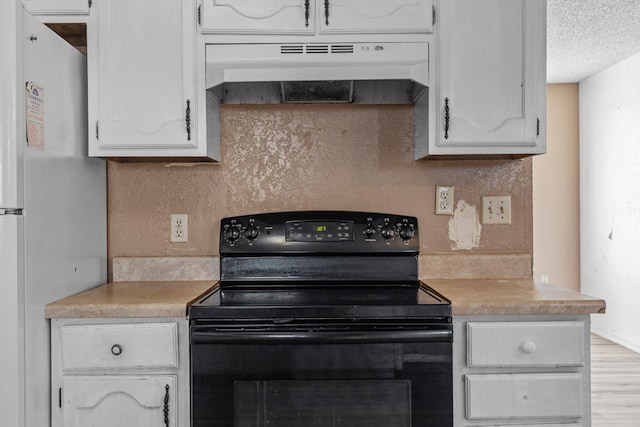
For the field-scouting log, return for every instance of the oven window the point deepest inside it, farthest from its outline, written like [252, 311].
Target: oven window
[360, 403]
[304, 385]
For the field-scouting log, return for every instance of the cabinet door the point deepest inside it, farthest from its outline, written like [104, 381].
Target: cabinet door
[492, 71]
[57, 7]
[141, 76]
[119, 401]
[375, 16]
[258, 16]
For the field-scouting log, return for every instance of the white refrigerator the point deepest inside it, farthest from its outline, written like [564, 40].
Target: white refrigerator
[52, 204]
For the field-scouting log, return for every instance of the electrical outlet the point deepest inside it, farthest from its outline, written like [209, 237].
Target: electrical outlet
[496, 209]
[444, 200]
[179, 228]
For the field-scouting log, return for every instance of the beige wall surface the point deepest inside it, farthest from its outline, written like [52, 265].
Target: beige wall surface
[284, 157]
[556, 192]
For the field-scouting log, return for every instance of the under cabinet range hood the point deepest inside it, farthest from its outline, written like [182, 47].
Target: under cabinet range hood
[359, 73]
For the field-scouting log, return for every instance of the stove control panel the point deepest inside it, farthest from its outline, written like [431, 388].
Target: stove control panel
[319, 232]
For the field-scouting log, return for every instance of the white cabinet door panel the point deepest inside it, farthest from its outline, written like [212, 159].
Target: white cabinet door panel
[375, 16]
[57, 7]
[119, 401]
[491, 67]
[145, 74]
[258, 16]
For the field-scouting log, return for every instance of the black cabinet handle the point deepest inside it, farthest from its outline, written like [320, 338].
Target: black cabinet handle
[306, 13]
[446, 118]
[187, 120]
[326, 12]
[166, 405]
[116, 349]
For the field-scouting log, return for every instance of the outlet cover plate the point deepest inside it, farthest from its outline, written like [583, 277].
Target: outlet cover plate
[444, 199]
[496, 209]
[179, 228]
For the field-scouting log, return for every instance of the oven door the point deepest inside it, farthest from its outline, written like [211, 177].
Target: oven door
[321, 375]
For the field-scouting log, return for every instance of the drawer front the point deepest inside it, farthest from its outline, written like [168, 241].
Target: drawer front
[539, 425]
[145, 345]
[509, 396]
[497, 344]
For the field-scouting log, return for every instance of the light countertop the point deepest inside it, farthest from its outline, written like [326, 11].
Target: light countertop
[467, 296]
[512, 296]
[131, 299]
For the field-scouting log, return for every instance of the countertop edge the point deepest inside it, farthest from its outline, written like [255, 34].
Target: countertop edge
[513, 297]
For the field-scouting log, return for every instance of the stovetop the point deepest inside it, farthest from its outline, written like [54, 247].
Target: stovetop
[407, 300]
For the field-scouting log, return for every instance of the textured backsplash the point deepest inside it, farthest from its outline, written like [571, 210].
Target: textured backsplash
[300, 157]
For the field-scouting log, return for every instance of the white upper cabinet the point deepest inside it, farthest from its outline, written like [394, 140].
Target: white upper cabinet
[375, 16]
[142, 78]
[258, 16]
[57, 7]
[491, 73]
[311, 16]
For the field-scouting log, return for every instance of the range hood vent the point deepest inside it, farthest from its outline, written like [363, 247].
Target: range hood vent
[360, 73]
[302, 49]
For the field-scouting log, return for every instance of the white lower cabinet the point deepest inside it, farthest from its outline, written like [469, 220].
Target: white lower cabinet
[526, 371]
[124, 372]
[147, 400]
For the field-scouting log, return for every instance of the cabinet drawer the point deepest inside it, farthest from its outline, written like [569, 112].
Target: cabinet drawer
[505, 396]
[538, 425]
[145, 345]
[525, 344]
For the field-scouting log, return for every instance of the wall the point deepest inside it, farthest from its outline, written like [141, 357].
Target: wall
[315, 157]
[609, 204]
[556, 190]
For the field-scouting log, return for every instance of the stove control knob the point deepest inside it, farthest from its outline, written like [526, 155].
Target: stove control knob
[369, 231]
[386, 231]
[407, 232]
[251, 232]
[231, 234]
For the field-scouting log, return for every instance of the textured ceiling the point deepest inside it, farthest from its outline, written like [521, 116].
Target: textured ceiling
[587, 36]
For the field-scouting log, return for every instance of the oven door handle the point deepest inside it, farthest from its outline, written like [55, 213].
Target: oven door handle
[329, 337]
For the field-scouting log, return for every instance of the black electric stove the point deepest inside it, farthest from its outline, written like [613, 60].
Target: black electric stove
[328, 263]
[320, 319]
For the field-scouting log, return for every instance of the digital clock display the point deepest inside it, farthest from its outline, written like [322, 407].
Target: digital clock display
[319, 231]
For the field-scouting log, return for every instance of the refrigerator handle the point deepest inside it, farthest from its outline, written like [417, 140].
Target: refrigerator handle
[10, 211]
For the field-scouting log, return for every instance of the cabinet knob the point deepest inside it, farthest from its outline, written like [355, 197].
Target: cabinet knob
[116, 349]
[529, 347]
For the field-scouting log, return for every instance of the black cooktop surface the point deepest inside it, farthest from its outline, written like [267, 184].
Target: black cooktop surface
[409, 299]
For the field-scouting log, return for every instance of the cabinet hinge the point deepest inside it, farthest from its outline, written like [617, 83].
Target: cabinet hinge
[90, 3]
[538, 127]
[97, 130]
[200, 14]
[60, 397]
[433, 15]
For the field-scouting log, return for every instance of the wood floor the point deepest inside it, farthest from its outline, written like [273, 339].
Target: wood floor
[615, 384]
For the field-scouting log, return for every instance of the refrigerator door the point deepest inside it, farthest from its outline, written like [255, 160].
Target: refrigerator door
[10, 150]
[58, 246]
[11, 307]
[64, 199]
